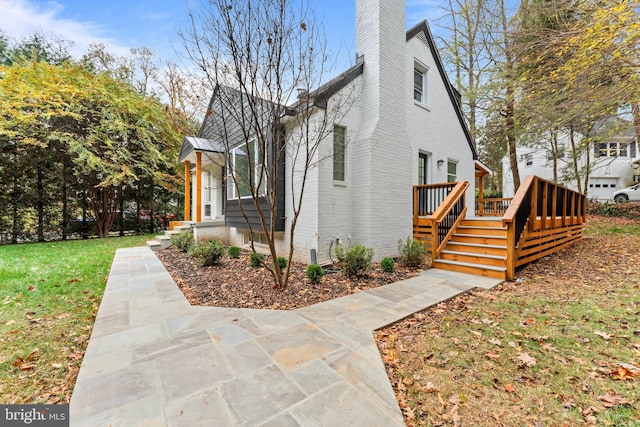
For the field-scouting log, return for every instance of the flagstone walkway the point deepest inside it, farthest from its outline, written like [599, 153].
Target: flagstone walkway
[154, 360]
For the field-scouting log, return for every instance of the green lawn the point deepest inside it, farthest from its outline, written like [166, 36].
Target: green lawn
[49, 295]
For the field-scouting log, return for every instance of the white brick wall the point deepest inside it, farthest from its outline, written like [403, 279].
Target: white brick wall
[385, 132]
[436, 130]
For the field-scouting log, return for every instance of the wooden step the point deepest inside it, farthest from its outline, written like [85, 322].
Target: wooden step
[470, 268]
[477, 248]
[480, 222]
[474, 258]
[479, 239]
[483, 231]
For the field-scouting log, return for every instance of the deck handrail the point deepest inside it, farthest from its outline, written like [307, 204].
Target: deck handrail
[427, 197]
[491, 206]
[539, 205]
[447, 217]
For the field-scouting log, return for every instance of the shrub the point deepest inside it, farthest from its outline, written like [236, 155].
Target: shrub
[314, 273]
[183, 241]
[412, 252]
[387, 265]
[234, 252]
[340, 253]
[256, 258]
[282, 262]
[357, 260]
[207, 253]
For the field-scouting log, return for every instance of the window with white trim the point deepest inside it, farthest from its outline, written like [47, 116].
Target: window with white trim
[246, 171]
[423, 159]
[420, 83]
[528, 159]
[339, 146]
[452, 171]
[615, 149]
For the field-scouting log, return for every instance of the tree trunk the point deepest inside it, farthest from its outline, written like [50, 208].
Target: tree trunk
[65, 207]
[15, 220]
[40, 200]
[574, 160]
[511, 139]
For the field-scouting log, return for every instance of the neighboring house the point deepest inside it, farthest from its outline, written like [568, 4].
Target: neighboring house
[611, 158]
[405, 127]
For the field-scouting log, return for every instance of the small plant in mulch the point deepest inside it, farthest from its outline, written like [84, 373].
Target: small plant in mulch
[282, 262]
[356, 260]
[207, 253]
[314, 273]
[183, 241]
[412, 252]
[387, 264]
[234, 252]
[257, 259]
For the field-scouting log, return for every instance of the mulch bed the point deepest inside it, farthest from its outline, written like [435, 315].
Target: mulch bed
[235, 283]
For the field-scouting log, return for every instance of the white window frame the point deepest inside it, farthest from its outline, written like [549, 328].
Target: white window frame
[528, 160]
[256, 169]
[343, 159]
[452, 177]
[420, 86]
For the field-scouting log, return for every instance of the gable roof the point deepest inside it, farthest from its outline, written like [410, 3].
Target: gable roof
[320, 96]
[423, 27]
[192, 143]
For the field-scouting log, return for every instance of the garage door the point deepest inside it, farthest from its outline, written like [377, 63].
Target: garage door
[602, 188]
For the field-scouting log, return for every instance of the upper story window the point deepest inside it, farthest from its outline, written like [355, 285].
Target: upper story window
[615, 149]
[559, 154]
[246, 171]
[528, 159]
[339, 145]
[420, 83]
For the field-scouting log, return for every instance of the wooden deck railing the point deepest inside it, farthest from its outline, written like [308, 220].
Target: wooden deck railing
[437, 211]
[543, 217]
[492, 207]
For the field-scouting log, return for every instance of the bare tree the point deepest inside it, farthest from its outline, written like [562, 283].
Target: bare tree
[263, 59]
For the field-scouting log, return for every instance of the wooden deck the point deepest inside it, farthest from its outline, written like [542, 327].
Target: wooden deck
[542, 218]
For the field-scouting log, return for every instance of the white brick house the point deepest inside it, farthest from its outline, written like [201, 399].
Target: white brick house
[404, 128]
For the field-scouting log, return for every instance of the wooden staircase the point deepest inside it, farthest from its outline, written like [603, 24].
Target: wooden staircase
[477, 246]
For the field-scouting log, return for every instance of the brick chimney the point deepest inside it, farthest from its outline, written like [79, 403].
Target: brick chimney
[383, 186]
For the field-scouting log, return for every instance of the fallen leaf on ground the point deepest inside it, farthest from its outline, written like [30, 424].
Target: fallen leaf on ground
[549, 347]
[623, 373]
[509, 388]
[525, 360]
[611, 400]
[603, 335]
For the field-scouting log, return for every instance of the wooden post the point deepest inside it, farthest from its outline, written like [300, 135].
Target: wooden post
[198, 186]
[534, 204]
[481, 196]
[545, 205]
[187, 190]
[511, 251]
[554, 204]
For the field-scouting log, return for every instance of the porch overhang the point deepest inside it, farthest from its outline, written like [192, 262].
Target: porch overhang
[481, 169]
[191, 145]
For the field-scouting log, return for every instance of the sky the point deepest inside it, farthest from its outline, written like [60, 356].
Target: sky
[124, 24]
